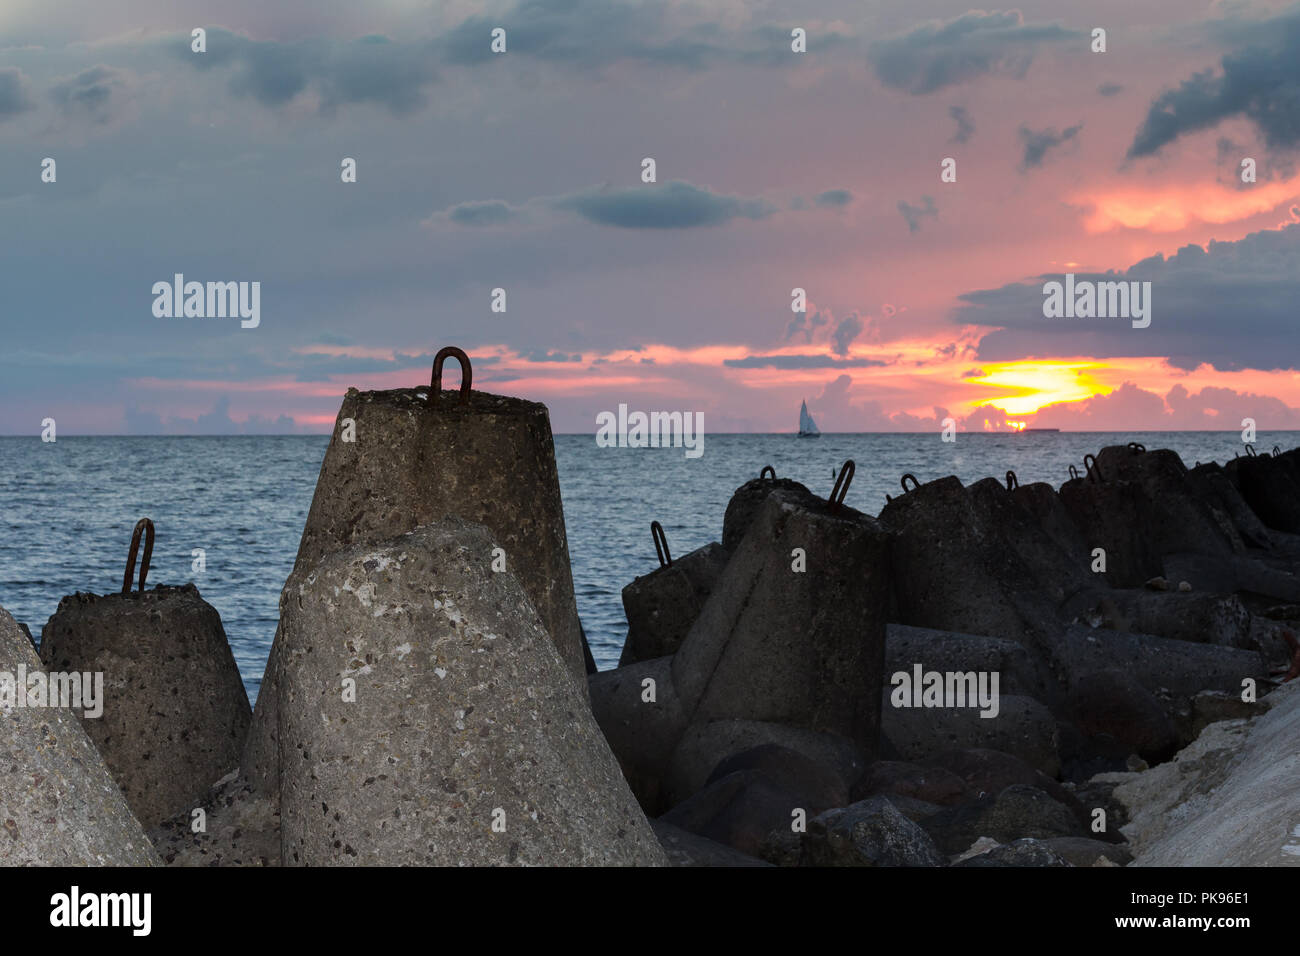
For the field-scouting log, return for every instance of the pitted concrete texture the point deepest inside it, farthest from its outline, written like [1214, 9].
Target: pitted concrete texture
[59, 805]
[175, 712]
[427, 719]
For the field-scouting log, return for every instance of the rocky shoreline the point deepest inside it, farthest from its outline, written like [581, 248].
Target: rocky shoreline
[983, 675]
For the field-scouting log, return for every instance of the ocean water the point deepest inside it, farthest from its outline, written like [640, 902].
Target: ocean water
[67, 508]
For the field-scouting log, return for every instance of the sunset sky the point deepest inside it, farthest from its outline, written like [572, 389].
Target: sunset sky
[775, 169]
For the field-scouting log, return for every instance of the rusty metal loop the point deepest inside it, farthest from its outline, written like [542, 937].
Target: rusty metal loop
[842, 482]
[1074, 471]
[466, 374]
[1277, 451]
[1250, 450]
[903, 481]
[1137, 446]
[766, 468]
[1012, 481]
[1090, 463]
[143, 526]
[661, 544]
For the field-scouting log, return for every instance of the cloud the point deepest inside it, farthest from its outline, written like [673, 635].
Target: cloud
[371, 69]
[91, 93]
[965, 125]
[1130, 408]
[799, 361]
[1110, 89]
[542, 355]
[916, 214]
[673, 205]
[491, 212]
[15, 92]
[215, 422]
[806, 324]
[845, 333]
[834, 198]
[945, 53]
[1260, 82]
[1230, 305]
[1037, 142]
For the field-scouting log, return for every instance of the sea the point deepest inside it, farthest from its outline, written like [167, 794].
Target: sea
[67, 508]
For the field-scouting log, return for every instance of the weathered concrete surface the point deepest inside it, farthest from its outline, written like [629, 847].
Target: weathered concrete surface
[642, 719]
[957, 568]
[491, 461]
[1041, 501]
[59, 805]
[802, 648]
[1023, 727]
[1232, 798]
[740, 809]
[1020, 672]
[748, 499]
[689, 849]
[464, 716]
[1199, 617]
[661, 606]
[241, 827]
[1018, 811]
[871, 832]
[1270, 487]
[175, 712]
[1213, 486]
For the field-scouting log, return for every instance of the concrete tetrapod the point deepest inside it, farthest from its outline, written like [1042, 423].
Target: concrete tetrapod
[175, 714]
[426, 718]
[59, 805]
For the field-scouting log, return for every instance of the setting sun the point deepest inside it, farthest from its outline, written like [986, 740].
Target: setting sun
[1028, 386]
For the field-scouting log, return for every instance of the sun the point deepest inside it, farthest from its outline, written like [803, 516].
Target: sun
[1025, 387]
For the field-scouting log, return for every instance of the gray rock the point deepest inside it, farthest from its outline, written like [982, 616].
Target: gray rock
[1113, 703]
[1212, 706]
[465, 716]
[871, 832]
[1022, 727]
[817, 785]
[988, 772]
[806, 648]
[1080, 851]
[1022, 852]
[896, 779]
[60, 804]
[688, 849]
[1021, 672]
[1018, 811]
[661, 606]
[704, 746]
[740, 810]
[175, 712]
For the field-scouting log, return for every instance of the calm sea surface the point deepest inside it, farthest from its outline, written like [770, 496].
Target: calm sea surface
[67, 508]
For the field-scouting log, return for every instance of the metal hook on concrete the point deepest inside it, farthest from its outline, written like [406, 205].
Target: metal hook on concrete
[903, 481]
[1250, 450]
[661, 544]
[1277, 451]
[466, 374]
[1090, 463]
[1074, 471]
[1012, 481]
[767, 468]
[1137, 446]
[842, 484]
[143, 526]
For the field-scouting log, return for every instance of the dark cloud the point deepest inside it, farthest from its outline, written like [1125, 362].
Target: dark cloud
[940, 54]
[1037, 142]
[799, 361]
[973, 373]
[916, 214]
[847, 330]
[1260, 82]
[834, 198]
[673, 205]
[965, 125]
[216, 422]
[805, 324]
[15, 92]
[91, 93]
[492, 212]
[372, 69]
[1110, 89]
[1231, 306]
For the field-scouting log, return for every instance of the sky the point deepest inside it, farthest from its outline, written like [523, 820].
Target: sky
[774, 170]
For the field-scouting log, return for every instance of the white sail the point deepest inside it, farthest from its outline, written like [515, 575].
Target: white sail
[806, 424]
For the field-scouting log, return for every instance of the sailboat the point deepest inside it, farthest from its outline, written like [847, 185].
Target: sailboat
[807, 427]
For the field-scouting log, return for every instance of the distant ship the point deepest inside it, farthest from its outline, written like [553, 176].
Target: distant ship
[807, 427]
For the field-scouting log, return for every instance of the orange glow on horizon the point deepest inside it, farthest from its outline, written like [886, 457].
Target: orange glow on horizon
[1025, 387]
